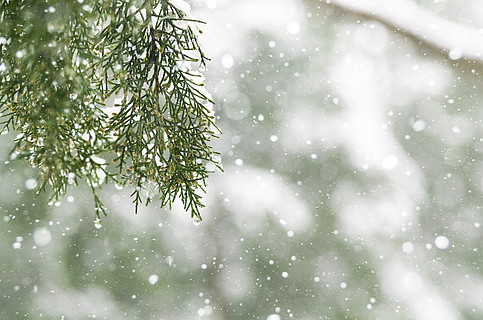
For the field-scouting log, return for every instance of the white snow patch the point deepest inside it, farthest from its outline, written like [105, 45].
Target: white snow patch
[408, 247]
[293, 27]
[442, 242]
[42, 236]
[227, 61]
[390, 162]
[424, 302]
[419, 125]
[31, 184]
[412, 281]
[455, 54]
[254, 193]
[152, 279]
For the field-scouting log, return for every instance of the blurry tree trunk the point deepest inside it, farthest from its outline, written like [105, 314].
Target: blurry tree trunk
[458, 40]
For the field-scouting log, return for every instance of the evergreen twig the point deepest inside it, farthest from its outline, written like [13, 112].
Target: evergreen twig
[58, 66]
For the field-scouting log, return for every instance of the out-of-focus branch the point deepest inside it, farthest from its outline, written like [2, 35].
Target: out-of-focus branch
[458, 40]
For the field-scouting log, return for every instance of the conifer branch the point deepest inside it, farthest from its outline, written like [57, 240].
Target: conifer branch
[58, 66]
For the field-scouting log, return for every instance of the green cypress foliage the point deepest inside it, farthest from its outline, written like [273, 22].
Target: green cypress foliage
[108, 91]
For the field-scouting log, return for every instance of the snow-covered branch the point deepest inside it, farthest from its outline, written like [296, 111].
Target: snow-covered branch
[460, 41]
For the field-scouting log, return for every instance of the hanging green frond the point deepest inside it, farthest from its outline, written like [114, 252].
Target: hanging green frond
[85, 81]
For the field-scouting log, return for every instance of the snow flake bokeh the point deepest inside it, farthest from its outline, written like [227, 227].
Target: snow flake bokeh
[352, 147]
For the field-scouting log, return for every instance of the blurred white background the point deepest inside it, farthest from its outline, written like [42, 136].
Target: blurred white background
[352, 146]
